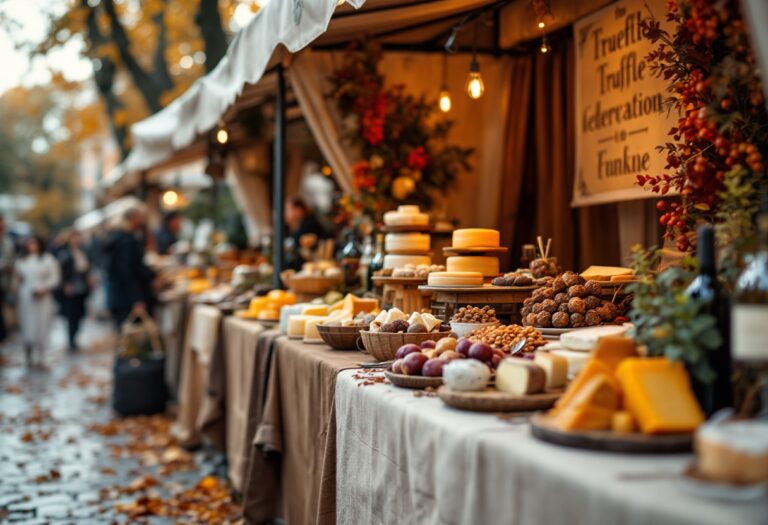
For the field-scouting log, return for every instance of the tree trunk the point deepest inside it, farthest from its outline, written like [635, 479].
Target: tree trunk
[143, 81]
[212, 31]
[104, 78]
[160, 72]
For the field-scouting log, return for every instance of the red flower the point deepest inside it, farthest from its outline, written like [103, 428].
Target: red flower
[418, 158]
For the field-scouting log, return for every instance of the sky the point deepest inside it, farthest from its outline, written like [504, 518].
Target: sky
[17, 68]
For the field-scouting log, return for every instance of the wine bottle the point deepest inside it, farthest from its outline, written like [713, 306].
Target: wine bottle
[377, 263]
[350, 260]
[749, 320]
[706, 288]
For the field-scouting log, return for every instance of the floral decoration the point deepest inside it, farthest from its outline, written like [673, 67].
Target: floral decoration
[716, 155]
[405, 156]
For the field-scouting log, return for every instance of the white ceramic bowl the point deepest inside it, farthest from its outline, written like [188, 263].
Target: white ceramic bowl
[464, 329]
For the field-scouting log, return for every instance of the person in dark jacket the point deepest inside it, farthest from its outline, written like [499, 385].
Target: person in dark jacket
[168, 233]
[75, 284]
[129, 280]
[304, 230]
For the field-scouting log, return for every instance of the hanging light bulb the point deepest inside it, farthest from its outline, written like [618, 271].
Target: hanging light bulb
[545, 45]
[170, 198]
[222, 136]
[474, 85]
[444, 102]
[541, 24]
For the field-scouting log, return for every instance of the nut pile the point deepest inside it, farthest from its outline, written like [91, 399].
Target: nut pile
[475, 314]
[505, 337]
[568, 302]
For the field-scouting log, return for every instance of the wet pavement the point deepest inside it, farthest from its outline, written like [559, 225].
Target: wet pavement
[64, 458]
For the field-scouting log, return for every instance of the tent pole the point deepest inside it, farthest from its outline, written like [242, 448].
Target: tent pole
[278, 181]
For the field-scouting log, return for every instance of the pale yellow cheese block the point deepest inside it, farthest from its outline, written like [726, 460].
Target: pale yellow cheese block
[310, 329]
[406, 215]
[297, 323]
[488, 266]
[475, 238]
[455, 279]
[605, 273]
[412, 242]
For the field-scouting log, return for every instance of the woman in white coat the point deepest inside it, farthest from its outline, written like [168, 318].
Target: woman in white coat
[37, 276]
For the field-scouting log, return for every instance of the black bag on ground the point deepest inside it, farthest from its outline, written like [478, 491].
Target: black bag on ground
[139, 371]
[139, 386]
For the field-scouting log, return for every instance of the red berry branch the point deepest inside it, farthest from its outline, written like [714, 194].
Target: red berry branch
[723, 123]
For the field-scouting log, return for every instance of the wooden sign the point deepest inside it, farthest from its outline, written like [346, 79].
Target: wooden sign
[621, 116]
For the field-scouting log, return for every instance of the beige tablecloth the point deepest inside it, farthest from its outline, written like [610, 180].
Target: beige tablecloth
[171, 314]
[200, 344]
[296, 477]
[408, 460]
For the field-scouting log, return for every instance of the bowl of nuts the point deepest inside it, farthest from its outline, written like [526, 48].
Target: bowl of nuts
[468, 318]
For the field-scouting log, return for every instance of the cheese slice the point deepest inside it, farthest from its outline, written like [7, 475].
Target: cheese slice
[488, 266]
[604, 273]
[431, 321]
[584, 417]
[612, 350]
[296, 324]
[455, 279]
[416, 318]
[592, 369]
[658, 394]
[395, 314]
[520, 377]
[315, 309]
[600, 391]
[310, 329]
[555, 367]
[586, 339]
[622, 421]
[475, 238]
[354, 305]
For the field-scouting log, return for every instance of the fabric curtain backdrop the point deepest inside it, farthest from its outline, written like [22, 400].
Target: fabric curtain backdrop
[308, 74]
[251, 191]
[539, 164]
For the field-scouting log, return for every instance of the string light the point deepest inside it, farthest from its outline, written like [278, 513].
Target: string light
[545, 45]
[327, 171]
[474, 86]
[541, 24]
[170, 198]
[444, 100]
[222, 136]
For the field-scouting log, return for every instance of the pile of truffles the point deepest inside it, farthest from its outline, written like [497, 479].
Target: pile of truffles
[475, 314]
[568, 302]
[543, 267]
[505, 337]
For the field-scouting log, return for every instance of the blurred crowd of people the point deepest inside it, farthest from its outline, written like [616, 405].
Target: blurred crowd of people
[42, 278]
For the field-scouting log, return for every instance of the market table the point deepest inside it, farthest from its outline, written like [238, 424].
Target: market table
[406, 459]
[171, 314]
[201, 339]
[295, 477]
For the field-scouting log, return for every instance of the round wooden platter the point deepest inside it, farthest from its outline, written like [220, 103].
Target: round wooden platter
[492, 400]
[475, 250]
[530, 287]
[543, 428]
[407, 228]
[405, 381]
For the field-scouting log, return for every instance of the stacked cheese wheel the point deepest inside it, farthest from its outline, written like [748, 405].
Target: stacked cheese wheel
[406, 247]
[469, 244]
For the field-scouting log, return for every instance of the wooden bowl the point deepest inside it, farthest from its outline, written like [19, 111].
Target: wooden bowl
[310, 284]
[417, 382]
[341, 337]
[384, 345]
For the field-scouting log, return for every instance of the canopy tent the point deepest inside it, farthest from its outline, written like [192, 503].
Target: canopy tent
[108, 214]
[412, 34]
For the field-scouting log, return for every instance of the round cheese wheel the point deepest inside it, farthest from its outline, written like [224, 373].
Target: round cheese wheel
[406, 215]
[488, 266]
[398, 261]
[475, 238]
[455, 279]
[413, 242]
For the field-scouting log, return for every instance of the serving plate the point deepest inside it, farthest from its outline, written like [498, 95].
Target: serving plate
[405, 381]
[492, 400]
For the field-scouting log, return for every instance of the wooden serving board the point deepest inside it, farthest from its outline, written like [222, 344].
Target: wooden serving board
[492, 400]
[604, 440]
[405, 381]
[399, 280]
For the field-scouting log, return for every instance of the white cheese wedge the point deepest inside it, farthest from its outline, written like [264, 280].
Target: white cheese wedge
[395, 314]
[416, 318]
[584, 340]
[431, 321]
[310, 329]
[555, 367]
[296, 324]
[520, 377]
[466, 375]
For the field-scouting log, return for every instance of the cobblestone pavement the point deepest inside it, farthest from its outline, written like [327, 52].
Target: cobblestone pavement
[63, 460]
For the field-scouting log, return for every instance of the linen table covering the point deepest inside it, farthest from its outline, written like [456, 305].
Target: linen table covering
[297, 434]
[411, 460]
[199, 346]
